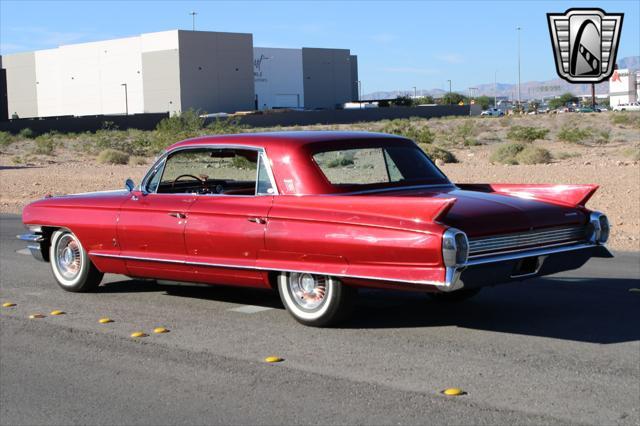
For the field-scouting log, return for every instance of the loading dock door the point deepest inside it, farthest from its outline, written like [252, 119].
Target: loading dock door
[287, 100]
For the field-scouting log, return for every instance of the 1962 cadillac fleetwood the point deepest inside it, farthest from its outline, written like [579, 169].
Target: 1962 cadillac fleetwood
[314, 215]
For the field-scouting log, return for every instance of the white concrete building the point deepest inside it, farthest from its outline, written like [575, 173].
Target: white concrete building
[623, 87]
[156, 72]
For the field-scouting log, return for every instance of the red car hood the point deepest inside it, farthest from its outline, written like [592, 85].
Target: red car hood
[479, 214]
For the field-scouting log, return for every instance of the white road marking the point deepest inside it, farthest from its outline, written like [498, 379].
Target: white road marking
[24, 251]
[250, 309]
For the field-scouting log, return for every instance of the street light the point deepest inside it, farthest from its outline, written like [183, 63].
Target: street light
[360, 92]
[495, 89]
[449, 91]
[415, 92]
[193, 16]
[126, 99]
[519, 100]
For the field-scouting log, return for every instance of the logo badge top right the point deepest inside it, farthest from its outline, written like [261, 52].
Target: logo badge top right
[585, 43]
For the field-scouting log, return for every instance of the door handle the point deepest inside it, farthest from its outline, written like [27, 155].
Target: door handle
[259, 220]
[178, 215]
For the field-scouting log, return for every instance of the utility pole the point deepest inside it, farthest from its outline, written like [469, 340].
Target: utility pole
[449, 91]
[360, 92]
[519, 100]
[495, 89]
[593, 96]
[126, 99]
[193, 16]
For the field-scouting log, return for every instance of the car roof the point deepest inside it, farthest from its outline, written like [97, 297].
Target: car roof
[280, 139]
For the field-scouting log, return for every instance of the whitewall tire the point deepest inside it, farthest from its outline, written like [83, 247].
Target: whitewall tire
[315, 300]
[70, 264]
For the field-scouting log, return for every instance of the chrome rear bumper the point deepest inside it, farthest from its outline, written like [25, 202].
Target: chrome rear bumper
[511, 267]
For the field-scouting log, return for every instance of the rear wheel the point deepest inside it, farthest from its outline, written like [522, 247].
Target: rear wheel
[315, 300]
[70, 264]
[455, 296]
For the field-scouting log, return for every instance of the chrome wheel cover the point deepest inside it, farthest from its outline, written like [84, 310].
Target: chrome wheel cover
[308, 291]
[68, 257]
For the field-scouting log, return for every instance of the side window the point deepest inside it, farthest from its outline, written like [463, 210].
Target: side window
[217, 171]
[264, 181]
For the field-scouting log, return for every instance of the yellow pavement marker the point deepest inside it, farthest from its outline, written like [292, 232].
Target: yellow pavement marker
[57, 312]
[160, 330]
[453, 392]
[138, 334]
[272, 359]
[8, 305]
[36, 316]
[105, 320]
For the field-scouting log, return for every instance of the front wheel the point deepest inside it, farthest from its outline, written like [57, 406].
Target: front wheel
[70, 264]
[315, 300]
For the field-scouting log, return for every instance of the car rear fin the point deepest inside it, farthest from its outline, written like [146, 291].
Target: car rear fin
[567, 195]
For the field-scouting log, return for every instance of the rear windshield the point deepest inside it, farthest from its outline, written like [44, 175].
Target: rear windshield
[378, 166]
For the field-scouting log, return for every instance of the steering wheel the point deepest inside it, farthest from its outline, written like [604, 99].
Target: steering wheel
[202, 181]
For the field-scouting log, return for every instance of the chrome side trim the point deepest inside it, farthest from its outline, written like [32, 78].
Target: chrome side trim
[397, 188]
[451, 282]
[259, 268]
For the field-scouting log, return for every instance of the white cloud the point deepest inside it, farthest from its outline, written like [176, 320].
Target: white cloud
[451, 58]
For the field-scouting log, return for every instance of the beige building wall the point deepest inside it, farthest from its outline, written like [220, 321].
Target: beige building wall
[22, 96]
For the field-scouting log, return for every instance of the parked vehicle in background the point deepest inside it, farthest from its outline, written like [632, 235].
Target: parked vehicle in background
[634, 106]
[492, 112]
[586, 109]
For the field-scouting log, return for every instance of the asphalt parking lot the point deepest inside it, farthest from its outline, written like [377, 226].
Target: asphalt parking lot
[564, 349]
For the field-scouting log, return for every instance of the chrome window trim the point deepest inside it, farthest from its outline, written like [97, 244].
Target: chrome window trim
[396, 188]
[161, 162]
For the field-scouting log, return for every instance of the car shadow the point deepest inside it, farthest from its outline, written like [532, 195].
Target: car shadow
[18, 167]
[602, 310]
[587, 310]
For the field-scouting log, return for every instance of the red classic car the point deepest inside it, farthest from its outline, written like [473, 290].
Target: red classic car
[315, 215]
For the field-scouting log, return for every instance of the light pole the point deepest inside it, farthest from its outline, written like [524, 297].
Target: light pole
[449, 91]
[126, 99]
[495, 89]
[193, 16]
[360, 93]
[415, 92]
[518, 65]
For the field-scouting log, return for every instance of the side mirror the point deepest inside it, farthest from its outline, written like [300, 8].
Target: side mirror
[129, 185]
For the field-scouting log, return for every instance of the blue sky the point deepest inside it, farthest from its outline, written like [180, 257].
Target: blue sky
[399, 44]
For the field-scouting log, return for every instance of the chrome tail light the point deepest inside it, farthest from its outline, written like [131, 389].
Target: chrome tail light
[455, 248]
[600, 228]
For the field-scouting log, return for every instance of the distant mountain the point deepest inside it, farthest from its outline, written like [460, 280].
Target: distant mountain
[528, 89]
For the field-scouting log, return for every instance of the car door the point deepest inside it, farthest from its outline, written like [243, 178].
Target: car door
[151, 226]
[226, 229]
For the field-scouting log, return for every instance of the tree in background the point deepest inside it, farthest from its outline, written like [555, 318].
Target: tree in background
[562, 100]
[402, 101]
[484, 101]
[452, 98]
[424, 100]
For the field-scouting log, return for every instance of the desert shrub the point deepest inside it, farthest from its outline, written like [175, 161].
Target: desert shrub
[633, 152]
[135, 160]
[564, 155]
[436, 153]
[6, 139]
[408, 129]
[26, 133]
[461, 135]
[626, 119]
[44, 145]
[526, 133]
[600, 137]
[16, 159]
[506, 153]
[224, 126]
[573, 134]
[533, 155]
[243, 163]
[342, 160]
[186, 122]
[113, 156]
